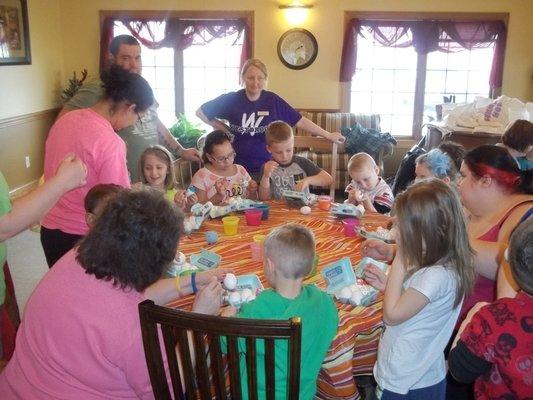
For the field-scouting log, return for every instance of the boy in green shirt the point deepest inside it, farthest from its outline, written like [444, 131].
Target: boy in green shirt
[289, 253]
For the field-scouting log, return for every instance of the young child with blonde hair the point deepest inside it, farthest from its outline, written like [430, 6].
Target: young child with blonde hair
[286, 171]
[289, 253]
[367, 187]
[156, 170]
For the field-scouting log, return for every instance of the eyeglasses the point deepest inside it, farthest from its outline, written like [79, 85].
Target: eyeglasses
[140, 116]
[229, 157]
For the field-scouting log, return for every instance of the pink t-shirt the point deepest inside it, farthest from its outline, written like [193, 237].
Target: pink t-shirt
[235, 184]
[92, 138]
[80, 338]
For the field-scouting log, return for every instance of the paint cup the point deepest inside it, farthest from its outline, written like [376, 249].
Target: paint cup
[350, 224]
[230, 225]
[257, 251]
[324, 203]
[265, 208]
[258, 238]
[253, 217]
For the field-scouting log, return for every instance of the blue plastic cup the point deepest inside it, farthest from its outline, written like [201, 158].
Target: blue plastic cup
[265, 208]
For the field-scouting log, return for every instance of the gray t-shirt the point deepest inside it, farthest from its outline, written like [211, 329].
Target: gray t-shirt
[410, 354]
[285, 178]
[138, 137]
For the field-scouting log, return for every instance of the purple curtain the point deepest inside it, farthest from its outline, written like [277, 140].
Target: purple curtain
[176, 33]
[427, 36]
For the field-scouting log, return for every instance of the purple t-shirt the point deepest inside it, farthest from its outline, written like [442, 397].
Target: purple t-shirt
[248, 121]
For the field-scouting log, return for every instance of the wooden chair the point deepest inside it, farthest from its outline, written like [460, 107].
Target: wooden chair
[323, 145]
[195, 339]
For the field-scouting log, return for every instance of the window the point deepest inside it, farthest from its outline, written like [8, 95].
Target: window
[184, 79]
[405, 68]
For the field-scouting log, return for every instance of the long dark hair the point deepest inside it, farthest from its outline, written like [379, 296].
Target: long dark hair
[501, 166]
[133, 240]
[123, 86]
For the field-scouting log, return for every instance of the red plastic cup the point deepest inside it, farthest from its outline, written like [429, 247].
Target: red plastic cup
[253, 217]
[350, 224]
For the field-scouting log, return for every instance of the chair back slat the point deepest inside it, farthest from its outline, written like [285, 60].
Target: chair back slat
[234, 368]
[154, 357]
[186, 362]
[195, 359]
[270, 380]
[202, 369]
[217, 366]
[170, 337]
[294, 358]
[251, 368]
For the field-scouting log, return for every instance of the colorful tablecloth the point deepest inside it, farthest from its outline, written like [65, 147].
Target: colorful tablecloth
[353, 351]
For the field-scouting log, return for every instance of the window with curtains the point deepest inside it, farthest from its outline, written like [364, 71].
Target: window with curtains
[187, 61]
[402, 69]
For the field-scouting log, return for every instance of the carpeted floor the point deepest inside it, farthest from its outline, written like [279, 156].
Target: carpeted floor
[26, 263]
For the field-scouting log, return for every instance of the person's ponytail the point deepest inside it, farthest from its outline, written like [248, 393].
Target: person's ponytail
[526, 181]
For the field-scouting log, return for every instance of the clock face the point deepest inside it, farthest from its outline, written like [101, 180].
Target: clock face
[297, 48]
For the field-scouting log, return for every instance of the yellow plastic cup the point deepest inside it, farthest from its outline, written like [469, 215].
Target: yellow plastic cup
[259, 238]
[231, 225]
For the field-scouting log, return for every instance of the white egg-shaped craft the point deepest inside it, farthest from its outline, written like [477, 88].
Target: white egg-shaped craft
[234, 299]
[345, 294]
[356, 298]
[180, 258]
[305, 210]
[230, 281]
[246, 295]
[353, 287]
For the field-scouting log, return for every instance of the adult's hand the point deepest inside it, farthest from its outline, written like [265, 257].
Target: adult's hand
[204, 278]
[336, 137]
[209, 299]
[71, 172]
[191, 155]
[378, 250]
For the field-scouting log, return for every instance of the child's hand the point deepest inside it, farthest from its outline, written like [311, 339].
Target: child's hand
[269, 167]
[301, 185]
[192, 199]
[351, 196]
[220, 186]
[228, 311]
[72, 172]
[180, 199]
[252, 186]
[375, 277]
[209, 299]
[378, 250]
[360, 197]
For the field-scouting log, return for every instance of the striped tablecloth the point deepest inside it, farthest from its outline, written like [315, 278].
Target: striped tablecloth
[353, 351]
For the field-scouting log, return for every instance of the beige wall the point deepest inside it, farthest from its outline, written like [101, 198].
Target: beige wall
[316, 86]
[31, 88]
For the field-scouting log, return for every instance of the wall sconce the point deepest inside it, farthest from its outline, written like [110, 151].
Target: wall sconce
[296, 12]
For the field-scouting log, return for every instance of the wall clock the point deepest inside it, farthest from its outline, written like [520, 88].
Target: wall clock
[297, 48]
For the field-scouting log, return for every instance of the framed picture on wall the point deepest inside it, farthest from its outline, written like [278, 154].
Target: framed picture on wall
[14, 33]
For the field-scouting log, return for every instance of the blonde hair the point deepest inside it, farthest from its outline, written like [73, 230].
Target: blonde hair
[253, 62]
[431, 209]
[278, 132]
[291, 248]
[360, 161]
[164, 156]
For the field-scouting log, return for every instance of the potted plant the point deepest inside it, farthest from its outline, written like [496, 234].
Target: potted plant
[186, 132]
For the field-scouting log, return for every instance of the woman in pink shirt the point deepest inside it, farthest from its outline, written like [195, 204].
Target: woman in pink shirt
[80, 337]
[90, 134]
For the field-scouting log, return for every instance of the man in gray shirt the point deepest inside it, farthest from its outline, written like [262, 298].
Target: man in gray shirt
[125, 51]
